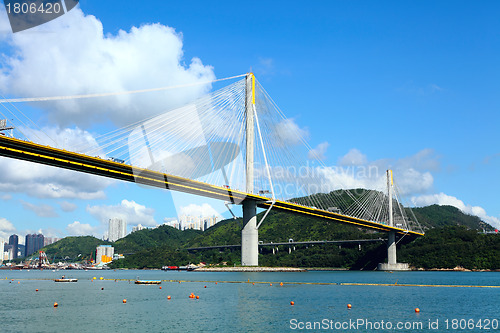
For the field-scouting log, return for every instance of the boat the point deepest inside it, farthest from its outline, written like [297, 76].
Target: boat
[147, 282]
[65, 280]
[189, 267]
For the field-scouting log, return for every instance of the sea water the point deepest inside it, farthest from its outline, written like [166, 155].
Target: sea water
[248, 302]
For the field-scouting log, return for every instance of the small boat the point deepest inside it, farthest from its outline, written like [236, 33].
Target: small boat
[65, 280]
[147, 282]
[189, 267]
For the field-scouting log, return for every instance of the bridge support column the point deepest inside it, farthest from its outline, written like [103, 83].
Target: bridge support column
[392, 264]
[249, 235]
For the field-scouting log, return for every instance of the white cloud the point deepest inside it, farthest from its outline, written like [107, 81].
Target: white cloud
[6, 229]
[199, 210]
[71, 55]
[130, 211]
[424, 160]
[68, 206]
[355, 171]
[40, 210]
[44, 181]
[80, 229]
[353, 157]
[444, 199]
[50, 232]
[318, 152]
[287, 132]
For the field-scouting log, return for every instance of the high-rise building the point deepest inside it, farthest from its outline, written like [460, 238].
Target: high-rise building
[50, 240]
[117, 229]
[33, 243]
[139, 227]
[195, 222]
[104, 253]
[14, 242]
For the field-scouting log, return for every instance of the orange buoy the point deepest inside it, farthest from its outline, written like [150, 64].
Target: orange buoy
[253, 283]
[205, 286]
[270, 284]
[215, 282]
[160, 287]
[36, 289]
[281, 283]
[102, 288]
[18, 282]
[56, 305]
[168, 297]
[197, 297]
[292, 303]
[124, 301]
[417, 310]
[349, 306]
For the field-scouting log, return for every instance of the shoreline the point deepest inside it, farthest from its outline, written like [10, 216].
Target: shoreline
[250, 269]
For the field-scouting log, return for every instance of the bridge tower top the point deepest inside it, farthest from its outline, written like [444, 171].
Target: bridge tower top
[390, 184]
[250, 131]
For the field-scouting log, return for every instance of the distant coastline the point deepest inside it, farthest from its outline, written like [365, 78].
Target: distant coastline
[250, 269]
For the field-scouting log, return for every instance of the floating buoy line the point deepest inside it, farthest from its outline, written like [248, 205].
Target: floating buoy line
[270, 283]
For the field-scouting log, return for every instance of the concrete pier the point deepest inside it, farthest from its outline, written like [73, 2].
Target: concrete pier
[392, 264]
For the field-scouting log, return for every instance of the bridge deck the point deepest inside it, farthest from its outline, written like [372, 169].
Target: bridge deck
[29, 151]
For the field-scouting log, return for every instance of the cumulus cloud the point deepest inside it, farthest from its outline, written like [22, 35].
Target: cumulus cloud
[448, 200]
[130, 211]
[353, 157]
[40, 210]
[71, 55]
[6, 228]
[318, 152]
[287, 132]
[199, 210]
[411, 174]
[44, 181]
[80, 229]
[426, 159]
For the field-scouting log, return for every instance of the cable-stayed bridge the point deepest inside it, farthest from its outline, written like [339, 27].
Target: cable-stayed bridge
[234, 145]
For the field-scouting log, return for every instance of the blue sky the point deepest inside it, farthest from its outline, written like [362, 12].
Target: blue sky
[409, 85]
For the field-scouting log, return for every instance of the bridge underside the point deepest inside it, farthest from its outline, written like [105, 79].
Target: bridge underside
[24, 150]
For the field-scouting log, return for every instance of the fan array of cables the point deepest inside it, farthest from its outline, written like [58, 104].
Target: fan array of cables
[206, 140]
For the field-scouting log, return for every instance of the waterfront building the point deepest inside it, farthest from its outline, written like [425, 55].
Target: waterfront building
[104, 254]
[14, 243]
[33, 243]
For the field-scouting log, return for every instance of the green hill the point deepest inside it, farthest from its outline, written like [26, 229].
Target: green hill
[148, 238]
[442, 247]
[452, 246]
[73, 248]
[440, 216]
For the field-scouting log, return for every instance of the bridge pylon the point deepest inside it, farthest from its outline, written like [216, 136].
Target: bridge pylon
[392, 264]
[250, 233]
